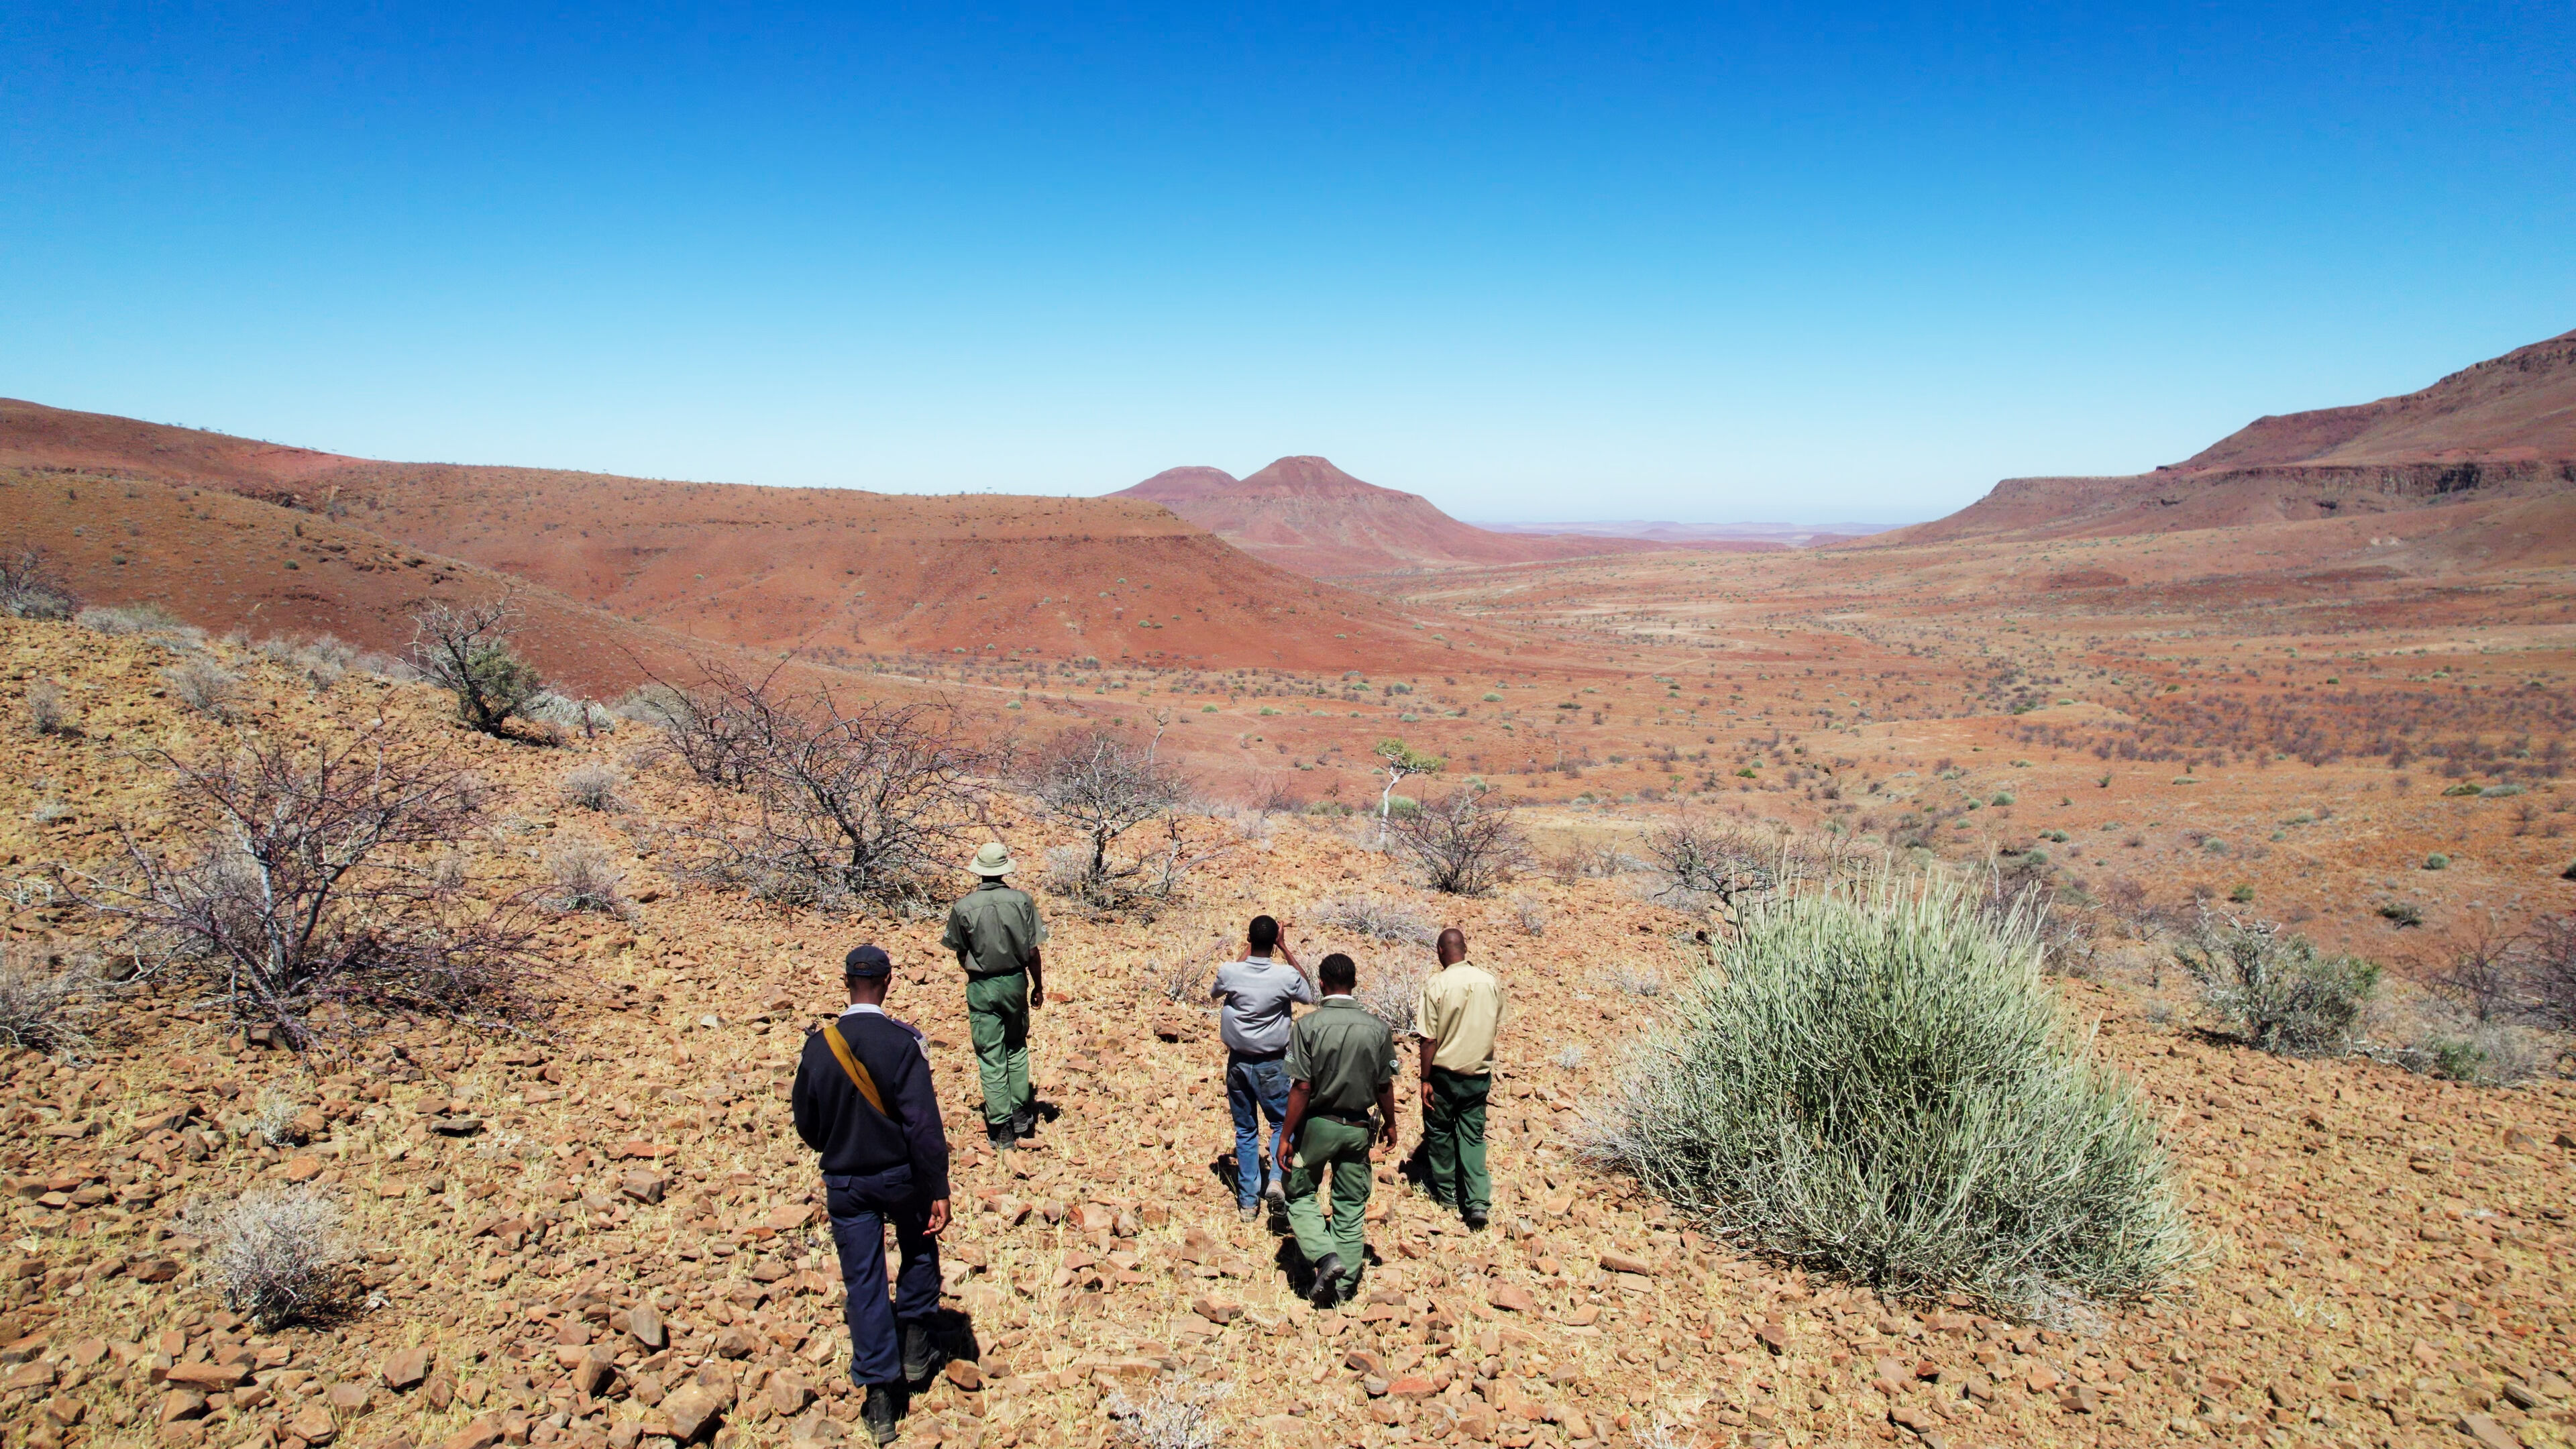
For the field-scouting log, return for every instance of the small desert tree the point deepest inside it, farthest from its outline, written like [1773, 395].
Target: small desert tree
[1400, 761]
[31, 587]
[465, 649]
[1463, 844]
[2276, 991]
[1103, 787]
[2551, 943]
[307, 884]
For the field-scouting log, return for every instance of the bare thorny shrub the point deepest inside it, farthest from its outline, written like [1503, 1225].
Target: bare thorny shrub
[1464, 845]
[309, 880]
[204, 686]
[587, 878]
[32, 588]
[274, 1253]
[1703, 867]
[49, 712]
[591, 787]
[721, 728]
[42, 1000]
[1104, 787]
[826, 804]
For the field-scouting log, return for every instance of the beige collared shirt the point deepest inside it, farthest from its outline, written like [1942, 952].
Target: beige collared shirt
[1461, 1012]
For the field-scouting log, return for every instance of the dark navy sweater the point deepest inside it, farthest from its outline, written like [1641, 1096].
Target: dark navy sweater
[853, 1137]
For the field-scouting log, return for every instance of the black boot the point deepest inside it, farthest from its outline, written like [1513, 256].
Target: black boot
[879, 1412]
[1001, 1138]
[920, 1355]
[1328, 1282]
[1024, 1122]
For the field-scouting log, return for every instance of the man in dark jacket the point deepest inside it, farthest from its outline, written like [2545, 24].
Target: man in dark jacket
[864, 1101]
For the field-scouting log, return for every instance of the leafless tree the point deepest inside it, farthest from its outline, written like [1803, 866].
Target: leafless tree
[1104, 787]
[839, 805]
[465, 649]
[307, 884]
[1466, 846]
[1704, 865]
[2489, 973]
[723, 726]
[2550, 960]
[31, 587]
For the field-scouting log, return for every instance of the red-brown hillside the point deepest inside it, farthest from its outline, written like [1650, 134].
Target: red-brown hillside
[834, 570]
[222, 562]
[1305, 514]
[2494, 435]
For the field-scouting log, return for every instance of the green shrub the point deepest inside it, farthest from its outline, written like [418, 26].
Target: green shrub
[2242, 894]
[2275, 991]
[2437, 861]
[1873, 1081]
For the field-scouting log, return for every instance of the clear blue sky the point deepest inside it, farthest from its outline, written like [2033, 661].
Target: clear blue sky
[1536, 262]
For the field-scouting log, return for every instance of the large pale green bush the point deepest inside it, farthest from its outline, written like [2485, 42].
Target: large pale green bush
[1874, 1082]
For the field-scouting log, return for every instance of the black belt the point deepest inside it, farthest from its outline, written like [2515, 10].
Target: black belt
[1231, 1055]
[996, 975]
[1365, 1124]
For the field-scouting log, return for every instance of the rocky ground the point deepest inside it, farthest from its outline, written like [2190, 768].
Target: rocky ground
[604, 1230]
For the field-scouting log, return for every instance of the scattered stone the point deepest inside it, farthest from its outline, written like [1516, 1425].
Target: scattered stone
[1618, 1262]
[644, 1325]
[456, 1127]
[303, 1169]
[643, 1186]
[2488, 1433]
[182, 1404]
[594, 1374]
[692, 1410]
[1412, 1386]
[1512, 1298]
[406, 1369]
[481, 1434]
[208, 1375]
[965, 1374]
[788, 1395]
[313, 1424]
[1217, 1310]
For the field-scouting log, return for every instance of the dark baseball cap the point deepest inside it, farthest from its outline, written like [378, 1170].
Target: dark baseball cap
[867, 962]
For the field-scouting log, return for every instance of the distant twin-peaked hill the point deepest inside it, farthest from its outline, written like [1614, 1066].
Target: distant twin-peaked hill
[2498, 438]
[1305, 514]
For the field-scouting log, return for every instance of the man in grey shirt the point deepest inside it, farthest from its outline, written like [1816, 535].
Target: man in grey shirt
[1254, 1022]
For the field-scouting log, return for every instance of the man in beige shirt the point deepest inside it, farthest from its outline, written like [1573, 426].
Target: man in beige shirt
[1457, 1020]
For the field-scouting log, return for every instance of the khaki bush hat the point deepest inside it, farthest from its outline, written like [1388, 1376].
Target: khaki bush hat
[992, 859]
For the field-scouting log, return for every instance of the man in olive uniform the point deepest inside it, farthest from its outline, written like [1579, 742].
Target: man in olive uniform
[1341, 1063]
[995, 932]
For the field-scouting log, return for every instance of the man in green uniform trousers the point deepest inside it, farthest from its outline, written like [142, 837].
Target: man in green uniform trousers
[1460, 1014]
[995, 932]
[1341, 1063]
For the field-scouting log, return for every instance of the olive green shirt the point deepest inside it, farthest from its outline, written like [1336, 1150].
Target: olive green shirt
[997, 927]
[1345, 1055]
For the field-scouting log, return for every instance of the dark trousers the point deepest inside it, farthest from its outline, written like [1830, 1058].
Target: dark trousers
[862, 1208]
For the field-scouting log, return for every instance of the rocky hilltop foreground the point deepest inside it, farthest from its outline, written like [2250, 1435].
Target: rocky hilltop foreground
[596, 1228]
[1305, 514]
[2498, 438]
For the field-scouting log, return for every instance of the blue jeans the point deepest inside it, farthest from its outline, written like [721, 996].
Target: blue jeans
[1253, 1090]
[861, 1208]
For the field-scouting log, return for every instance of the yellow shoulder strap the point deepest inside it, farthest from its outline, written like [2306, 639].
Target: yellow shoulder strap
[859, 1077]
